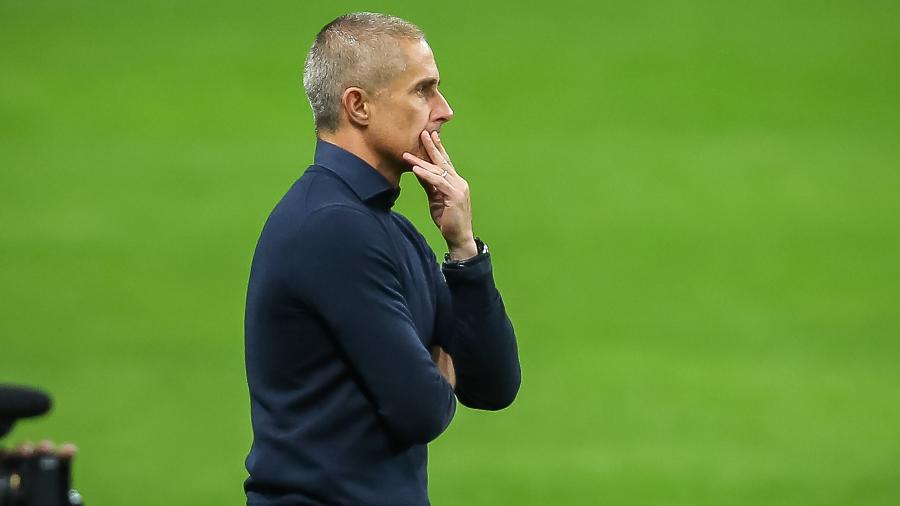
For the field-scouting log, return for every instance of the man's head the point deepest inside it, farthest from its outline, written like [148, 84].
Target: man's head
[373, 76]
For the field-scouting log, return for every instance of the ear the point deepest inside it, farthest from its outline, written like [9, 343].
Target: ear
[356, 103]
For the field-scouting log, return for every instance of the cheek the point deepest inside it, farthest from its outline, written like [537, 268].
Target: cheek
[415, 120]
[404, 123]
[417, 114]
[424, 115]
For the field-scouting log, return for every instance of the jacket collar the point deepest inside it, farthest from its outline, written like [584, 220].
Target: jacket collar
[366, 182]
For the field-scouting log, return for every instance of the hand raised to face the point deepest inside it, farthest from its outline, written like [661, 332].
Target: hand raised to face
[448, 196]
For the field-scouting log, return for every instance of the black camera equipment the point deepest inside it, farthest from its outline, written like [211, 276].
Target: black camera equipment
[38, 478]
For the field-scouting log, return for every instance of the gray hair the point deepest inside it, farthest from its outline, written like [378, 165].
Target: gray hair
[360, 49]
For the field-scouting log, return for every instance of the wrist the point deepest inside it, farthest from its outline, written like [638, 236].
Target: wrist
[481, 250]
[463, 250]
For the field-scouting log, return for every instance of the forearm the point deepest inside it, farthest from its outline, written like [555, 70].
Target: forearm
[482, 341]
[344, 272]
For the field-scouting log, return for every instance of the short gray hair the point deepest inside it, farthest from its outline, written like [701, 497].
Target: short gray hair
[360, 49]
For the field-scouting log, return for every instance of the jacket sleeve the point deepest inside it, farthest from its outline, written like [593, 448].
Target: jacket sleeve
[474, 329]
[344, 271]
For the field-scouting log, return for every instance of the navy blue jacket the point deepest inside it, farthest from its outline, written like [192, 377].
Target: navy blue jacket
[344, 303]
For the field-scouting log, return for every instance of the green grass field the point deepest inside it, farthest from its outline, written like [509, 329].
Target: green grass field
[694, 210]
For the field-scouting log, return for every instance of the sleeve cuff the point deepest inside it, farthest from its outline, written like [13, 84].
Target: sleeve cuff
[474, 269]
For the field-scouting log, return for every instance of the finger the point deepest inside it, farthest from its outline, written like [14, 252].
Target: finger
[46, 447]
[430, 190]
[445, 365]
[439, 183]
[433, 138]
[436, 157]
[440, 146]
[25, 449]
[415, 160]
[428, 140]
[435, 180]
[67, 450]
[449, 173]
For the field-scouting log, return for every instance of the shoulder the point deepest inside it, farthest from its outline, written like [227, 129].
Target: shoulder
[319, 187]
[403, 221]
[316, 216]
[413, 234]
[339, 242]
[408, 228]
[318, 201]
[341, 220]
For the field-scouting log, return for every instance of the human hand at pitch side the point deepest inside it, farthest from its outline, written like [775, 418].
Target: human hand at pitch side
[46, 447]
[448, 196]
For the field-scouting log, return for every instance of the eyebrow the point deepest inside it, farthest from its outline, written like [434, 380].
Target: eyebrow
[427, 83]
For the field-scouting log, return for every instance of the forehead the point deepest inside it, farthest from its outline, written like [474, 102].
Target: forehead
[419, 60]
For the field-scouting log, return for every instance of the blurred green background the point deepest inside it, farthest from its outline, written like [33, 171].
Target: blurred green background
[694, 209]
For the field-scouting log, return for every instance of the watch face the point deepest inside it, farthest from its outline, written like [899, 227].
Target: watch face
[480, 246]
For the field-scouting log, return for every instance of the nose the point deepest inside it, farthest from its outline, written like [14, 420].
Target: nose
[442, 112]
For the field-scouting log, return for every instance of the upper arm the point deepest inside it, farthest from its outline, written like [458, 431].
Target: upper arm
[346, 271]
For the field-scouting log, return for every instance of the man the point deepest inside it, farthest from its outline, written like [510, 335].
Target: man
[357, 343]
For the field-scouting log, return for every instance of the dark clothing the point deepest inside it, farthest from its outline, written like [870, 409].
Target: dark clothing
[344, 302]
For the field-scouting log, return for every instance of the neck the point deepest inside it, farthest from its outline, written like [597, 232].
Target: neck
[355, 144]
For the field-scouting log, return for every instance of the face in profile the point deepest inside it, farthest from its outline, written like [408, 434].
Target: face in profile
[409, 104]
